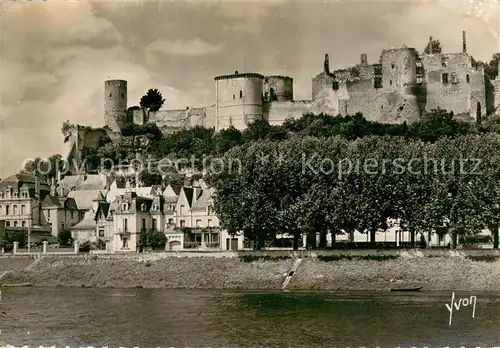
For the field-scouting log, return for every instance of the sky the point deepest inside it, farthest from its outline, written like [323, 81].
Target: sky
[55, 56]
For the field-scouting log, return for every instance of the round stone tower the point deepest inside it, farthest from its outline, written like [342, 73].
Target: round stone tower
[115, 104]
[238, 100]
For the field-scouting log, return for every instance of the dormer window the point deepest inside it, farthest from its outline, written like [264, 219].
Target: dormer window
[155, 208]
[24, 194]
[143, 207]
[125, 206]
[16, 194]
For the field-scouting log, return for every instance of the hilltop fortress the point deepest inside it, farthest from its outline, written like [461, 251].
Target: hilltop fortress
[400, 87]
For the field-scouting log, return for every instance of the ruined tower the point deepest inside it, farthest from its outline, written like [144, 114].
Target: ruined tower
[115, 104]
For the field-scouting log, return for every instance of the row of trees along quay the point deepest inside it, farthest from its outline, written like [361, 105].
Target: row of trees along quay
[264, 200]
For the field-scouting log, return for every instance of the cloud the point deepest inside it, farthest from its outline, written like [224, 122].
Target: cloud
[59, 56]
[193, 48]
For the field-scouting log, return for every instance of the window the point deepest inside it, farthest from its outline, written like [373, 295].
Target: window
[153, 226]
[198, 223]
[206, 238]
[241, 94]
[183, 223]
[62, 226]
[392, 65]
[143, 207]
[444, 62]
[23, 207]
[7, 223]
[234, 97]
[454, 78]
[24, 194]
[335, 85]
[16, 195]
[390, 82]
[15, 223]
[125, 225]
[215, 238]
[125, 206]
[23, 223]
[143, 224]
[467, 77]
[377, 82]
[101, 232]
[170, 221]
[445, 77]
[7, 208]
[14, 210]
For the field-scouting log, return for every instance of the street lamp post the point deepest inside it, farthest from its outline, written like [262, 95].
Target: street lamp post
[29, 233]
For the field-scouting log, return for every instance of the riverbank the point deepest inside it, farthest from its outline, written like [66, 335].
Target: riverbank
[314, 273]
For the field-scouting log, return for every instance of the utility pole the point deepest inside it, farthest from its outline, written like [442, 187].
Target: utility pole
[29, 233]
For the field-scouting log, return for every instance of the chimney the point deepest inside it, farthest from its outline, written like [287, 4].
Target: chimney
[326, 64]
[364, 59]
[430, 45]
[464, 42]
[53, 191]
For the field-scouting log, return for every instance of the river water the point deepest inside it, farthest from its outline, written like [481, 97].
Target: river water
[194, 318]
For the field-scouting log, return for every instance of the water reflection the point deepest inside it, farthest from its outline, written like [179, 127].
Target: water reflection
[190, 318]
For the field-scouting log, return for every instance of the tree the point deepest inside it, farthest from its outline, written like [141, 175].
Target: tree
[148, 178]
[152, 100]
[64, 237]
[436, 47]
[152, 239]
[44, 168]
[490, 68]
[437, 124]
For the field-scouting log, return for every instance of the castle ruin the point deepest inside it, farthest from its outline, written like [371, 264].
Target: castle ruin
[400, 87]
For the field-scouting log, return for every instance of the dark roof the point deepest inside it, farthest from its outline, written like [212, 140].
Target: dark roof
[188, 191]
[177, 189]
[233, 76]
[280, 77]
[51, 202]
[19, 180]
[69, 203]
[104, 208]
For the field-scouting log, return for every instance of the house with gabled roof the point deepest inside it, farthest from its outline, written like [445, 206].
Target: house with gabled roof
[191, 222]
[21, 196]
[60, 213]
[134, 214]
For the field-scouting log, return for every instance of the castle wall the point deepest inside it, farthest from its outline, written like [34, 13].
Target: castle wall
[139, 116]
[276, 113]
[463, 88]
[399, 69]
[282, 86]
[319, 83]
[380, 105]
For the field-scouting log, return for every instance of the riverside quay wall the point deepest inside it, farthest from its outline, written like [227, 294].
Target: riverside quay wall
[370, 270]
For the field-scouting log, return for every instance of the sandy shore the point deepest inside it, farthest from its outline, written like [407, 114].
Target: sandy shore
[440, 273]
